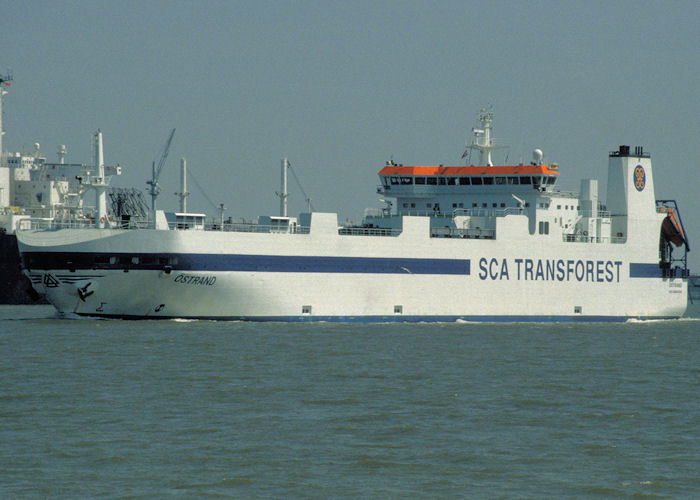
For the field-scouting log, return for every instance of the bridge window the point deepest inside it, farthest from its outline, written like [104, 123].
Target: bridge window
[394, 180]
[406, 180]
[512, 180]
[525, 179]
[441, 181]
[432, 181]
[500, 180]
[488, 180]
[477, 181]
[420, 180]
[551, 180]
[451, 181]
[464, 181]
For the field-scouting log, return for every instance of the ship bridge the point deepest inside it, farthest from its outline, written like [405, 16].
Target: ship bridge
[420, 189]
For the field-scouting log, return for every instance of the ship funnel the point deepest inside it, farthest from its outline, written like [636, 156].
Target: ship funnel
[630, 198]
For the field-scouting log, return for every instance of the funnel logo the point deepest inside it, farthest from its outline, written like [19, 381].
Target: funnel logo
[640, 178]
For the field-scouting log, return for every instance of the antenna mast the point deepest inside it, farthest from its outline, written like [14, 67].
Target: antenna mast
[183, 194]
[482, 140]
[4, 83]
[282, 193]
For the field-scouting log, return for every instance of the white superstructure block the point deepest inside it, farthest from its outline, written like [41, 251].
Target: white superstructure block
[631, 199]
[588, 203]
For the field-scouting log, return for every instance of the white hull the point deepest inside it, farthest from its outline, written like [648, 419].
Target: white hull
[325, 276]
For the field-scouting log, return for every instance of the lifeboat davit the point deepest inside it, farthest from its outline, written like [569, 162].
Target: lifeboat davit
[671, 228]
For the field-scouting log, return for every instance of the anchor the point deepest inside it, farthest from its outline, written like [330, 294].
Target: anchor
[83, 292]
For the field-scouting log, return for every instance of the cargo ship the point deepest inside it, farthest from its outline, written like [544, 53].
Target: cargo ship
[477, 242]
[32, 188]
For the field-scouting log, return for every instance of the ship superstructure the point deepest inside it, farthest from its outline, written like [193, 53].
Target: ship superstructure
[477, 242]
[33, 188]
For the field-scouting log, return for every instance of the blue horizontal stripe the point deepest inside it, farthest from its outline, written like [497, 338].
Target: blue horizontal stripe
[243, 262]
[307, 264]
[638, 270]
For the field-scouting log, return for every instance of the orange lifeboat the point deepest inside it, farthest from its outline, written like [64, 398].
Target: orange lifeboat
[671, 228]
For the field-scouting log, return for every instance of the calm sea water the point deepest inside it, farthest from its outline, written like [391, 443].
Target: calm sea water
[120, 408]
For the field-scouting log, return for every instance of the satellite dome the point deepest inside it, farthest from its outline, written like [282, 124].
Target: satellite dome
[537, 155]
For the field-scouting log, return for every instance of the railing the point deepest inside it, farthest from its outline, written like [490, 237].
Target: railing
[566, 194]
[44, 224]
[245, 227]
[458, 212]
[473, 233]
[487, 212]
[368, 231]
[601, 214]
[580, 238]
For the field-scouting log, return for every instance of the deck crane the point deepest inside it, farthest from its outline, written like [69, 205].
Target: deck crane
[154, 189]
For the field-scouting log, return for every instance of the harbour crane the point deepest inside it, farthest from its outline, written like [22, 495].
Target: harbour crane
[154, 189]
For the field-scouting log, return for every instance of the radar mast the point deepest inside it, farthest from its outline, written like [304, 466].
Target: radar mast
[482, 140]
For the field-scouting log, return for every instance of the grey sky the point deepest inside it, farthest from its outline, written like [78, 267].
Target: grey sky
[340, 87]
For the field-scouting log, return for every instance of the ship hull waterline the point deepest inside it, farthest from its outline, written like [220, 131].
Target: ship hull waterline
[283, 277]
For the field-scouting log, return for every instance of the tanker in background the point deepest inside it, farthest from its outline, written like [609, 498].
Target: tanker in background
[32, 188]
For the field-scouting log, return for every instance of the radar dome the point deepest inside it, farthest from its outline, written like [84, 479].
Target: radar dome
[537, 155]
